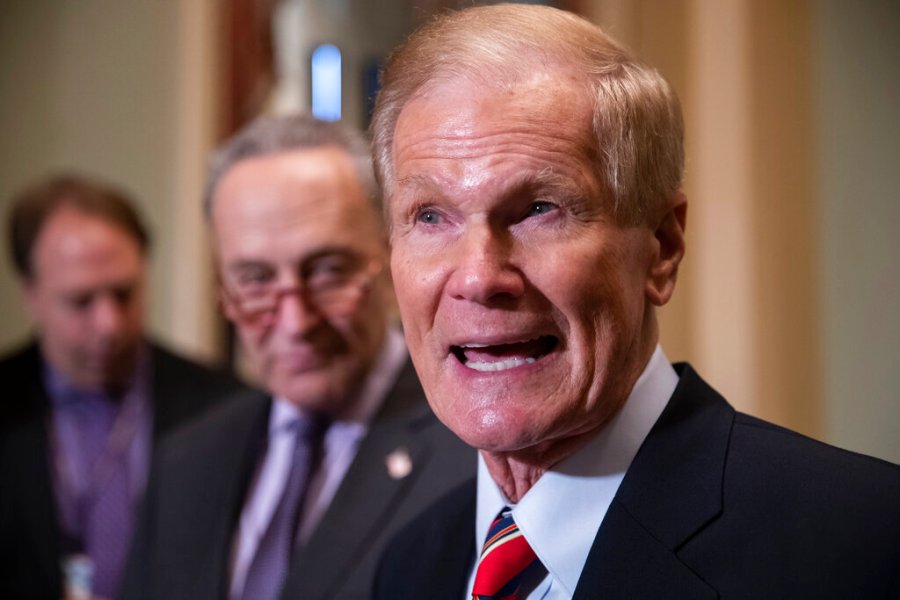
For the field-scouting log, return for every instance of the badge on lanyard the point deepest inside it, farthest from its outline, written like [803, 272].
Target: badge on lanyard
[78, 575]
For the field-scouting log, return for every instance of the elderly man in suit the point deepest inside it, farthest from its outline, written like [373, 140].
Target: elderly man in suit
[83, 402]
[294, 494]
[532, 169]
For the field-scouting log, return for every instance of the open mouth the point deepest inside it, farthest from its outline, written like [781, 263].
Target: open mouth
[501, 357]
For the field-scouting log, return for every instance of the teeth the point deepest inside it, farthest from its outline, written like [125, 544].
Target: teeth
[501, 365]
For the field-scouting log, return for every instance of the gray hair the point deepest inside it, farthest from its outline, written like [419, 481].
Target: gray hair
[637, 125]
[267, 135]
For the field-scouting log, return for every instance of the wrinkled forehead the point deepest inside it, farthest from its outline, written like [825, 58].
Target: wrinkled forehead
[460, 118]
[530, 99]
[285, 207]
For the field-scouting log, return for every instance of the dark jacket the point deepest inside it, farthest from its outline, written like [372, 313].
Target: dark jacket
[202, 474]
[29, 532]
[716, 504]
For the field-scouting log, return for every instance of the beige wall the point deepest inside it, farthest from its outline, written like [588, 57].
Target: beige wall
[118, 89]
[788, 298]
[858, 112]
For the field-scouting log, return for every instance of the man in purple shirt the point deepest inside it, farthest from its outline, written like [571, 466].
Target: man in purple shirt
[83, 401]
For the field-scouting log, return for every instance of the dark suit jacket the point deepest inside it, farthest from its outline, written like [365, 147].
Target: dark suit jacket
[29, 534]
[202, 473]
[716, 504]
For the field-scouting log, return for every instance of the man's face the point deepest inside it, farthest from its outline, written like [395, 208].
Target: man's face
[86, 298]
[300, 220]
[523, 302]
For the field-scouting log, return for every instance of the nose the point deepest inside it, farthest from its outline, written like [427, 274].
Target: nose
[296, 315]
[483, 270]
[107, 315]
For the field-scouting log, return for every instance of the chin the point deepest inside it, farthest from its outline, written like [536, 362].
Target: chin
[491, 430]
[314, 393]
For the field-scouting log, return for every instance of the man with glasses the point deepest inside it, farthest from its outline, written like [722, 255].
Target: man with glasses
[295, 493]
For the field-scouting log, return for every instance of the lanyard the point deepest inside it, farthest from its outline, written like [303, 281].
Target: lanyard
[77, 494]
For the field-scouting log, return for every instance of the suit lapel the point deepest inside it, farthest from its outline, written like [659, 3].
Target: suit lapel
[350, 526]
[454, 549]
[455, 555]
[671, 491]
[33, 456]
[626, 562]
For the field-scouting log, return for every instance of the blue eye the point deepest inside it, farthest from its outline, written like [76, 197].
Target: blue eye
[428, 216]
[540, 208]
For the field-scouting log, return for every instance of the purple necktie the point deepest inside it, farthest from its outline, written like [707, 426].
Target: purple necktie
[270, 563]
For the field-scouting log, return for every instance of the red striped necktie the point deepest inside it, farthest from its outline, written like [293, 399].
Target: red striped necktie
[508, 568]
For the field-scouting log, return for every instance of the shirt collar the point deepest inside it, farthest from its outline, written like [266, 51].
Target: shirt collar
[63, 391]
[582, 486]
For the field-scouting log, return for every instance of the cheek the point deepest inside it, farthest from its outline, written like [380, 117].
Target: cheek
[136, 314]
[254, 346]
[406, 279]
[413, 283]
[357, 340]
[73, 329]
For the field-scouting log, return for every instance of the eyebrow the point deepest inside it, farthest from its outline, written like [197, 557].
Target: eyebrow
[547, 178]
[244, 265]
[124, 285]
[318, 254]
[418, 183]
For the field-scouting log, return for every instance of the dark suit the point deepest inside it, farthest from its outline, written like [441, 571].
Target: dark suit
[201, 480]
[716, 504]
[29, 532]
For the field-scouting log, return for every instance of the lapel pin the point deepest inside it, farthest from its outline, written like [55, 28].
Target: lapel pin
[399, 463]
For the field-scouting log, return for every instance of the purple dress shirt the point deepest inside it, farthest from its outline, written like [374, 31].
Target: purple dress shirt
[101, 451]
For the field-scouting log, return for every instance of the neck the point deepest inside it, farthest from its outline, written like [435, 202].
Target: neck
[516, 472]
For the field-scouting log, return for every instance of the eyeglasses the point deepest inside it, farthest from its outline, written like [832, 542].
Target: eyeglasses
[331, 291]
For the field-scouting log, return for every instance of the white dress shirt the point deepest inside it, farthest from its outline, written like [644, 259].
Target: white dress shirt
[339, 449]
[561, 514]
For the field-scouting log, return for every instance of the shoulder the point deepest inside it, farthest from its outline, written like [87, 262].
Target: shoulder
[231, 419]
[770, 461]
[20, 374]
[793, 468]
[173, 368]
[758, 449]
[762, 511]
[829, 516]
[26, 353]
[816, 519]
[21, 363]
[184, 389]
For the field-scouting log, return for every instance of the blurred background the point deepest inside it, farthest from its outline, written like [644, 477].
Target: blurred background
[789, 299]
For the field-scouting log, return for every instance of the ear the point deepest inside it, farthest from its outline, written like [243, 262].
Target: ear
[226, 306]
[669, 250]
